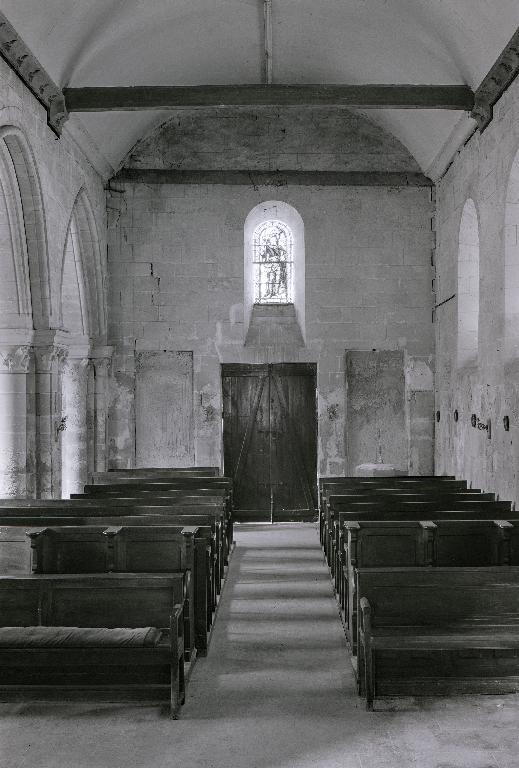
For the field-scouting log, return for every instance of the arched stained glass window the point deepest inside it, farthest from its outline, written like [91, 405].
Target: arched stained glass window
[273, 245]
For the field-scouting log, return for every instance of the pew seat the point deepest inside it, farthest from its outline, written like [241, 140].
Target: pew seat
[31, 666]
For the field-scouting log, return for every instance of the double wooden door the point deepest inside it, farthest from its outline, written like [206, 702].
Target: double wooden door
[270, 440]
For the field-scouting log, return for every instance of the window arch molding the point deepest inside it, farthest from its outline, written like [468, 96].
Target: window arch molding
[468, 285]
[286, 217]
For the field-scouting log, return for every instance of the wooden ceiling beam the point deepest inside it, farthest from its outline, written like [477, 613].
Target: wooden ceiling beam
[255, 178]
[91, 99]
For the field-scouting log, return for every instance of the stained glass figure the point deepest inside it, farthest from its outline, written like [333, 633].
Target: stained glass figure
[273, 263]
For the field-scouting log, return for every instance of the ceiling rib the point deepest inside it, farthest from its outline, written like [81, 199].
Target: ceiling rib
[501, 75]
[18, 56]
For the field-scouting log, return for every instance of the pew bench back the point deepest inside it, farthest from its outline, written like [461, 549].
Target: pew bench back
[93, 600]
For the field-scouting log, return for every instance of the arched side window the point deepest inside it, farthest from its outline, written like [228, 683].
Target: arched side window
[274, 262]
[468, 285]
[273, 257]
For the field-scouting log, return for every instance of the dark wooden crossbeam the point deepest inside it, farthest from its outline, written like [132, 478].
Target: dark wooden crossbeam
[455, 97]
[274, 178]
[21, 60]
[503, 72]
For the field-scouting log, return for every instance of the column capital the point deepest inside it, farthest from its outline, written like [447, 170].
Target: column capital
[15, 358]
[45, 357]
[49, 347]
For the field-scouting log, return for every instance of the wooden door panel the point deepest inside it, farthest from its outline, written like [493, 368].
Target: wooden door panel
[294, 441]
[270, 441]
[246, 438]
[253, 480]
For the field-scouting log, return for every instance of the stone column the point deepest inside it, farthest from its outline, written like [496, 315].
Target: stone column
[49, 359]
[74, 438]
[101, 359]
[15, 453]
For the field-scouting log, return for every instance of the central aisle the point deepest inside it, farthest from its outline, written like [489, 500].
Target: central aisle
[277, 683]
[276, 691]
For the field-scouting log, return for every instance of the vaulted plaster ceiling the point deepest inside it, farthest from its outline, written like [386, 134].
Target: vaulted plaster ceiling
[196, 42]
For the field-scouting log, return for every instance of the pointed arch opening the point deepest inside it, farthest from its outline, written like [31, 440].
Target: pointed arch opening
[83, 308]
[82, 316]
[28, 229]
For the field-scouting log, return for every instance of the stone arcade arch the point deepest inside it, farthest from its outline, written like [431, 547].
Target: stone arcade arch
[468, 286]
[25, 309]
[82, 311]
[19, 164]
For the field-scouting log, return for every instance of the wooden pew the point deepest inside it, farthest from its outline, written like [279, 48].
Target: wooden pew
[132, 549]
[180, 490]
[461, 510]
[147, 484]
[114, 506]
[179, 481]
[159, 488]
[408, 481]
[413, 507]
[157, 472]
[396, 481]
[169, 496]
[429, 631]
[104, 601]
[207, 529]
[376, 483]
[394, 485]
[438, 543]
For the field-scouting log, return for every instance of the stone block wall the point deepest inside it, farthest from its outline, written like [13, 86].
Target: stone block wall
[488, 386]
[176, 274]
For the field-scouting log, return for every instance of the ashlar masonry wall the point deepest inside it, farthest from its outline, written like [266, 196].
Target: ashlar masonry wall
[176, 269]
[487, 387]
